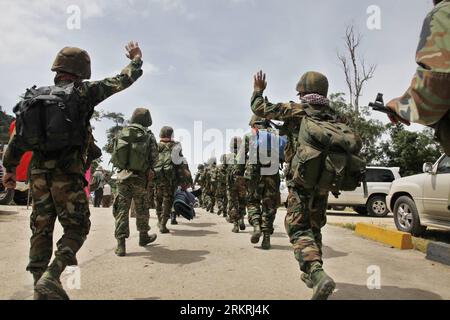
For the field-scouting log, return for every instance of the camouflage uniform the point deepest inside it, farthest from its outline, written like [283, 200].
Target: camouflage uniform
[210, 185]
[57, 182]
[221, 187]
[263, 190]
[427, 101]
[236, 192]
[306, 212]
[198, 181]
[132, 185]
[168, 181]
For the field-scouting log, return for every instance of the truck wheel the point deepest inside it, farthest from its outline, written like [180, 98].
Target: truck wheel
[361, 210]
[377, 207]
[6, 197]
[406, 216]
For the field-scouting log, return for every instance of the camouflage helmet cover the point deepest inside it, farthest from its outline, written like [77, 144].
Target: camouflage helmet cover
[166, 132]
[74, 61]
[201, 167]
[142, 116]
[313, 82]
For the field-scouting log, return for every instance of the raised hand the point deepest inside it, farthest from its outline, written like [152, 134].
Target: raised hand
[133, 50]
[260, 83]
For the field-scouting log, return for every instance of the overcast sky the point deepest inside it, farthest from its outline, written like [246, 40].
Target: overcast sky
[200, 55]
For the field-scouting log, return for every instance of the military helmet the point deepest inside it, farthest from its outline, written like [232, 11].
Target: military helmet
[201, 167]
[142, 116]
[313, 82]
[166, 132]
[74, 61]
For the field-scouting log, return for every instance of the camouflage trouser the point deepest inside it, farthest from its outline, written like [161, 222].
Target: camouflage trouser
[263, 199]
[164, 194]
[236, 195]
[211, 199]
[149, 201]
[133, 188]
[62, 196]
[306, 215]
[221, 198]
[443, 133]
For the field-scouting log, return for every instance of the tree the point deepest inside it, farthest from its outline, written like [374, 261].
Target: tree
[368, 129]
[357, 73]
[111, 133]
[409, 150]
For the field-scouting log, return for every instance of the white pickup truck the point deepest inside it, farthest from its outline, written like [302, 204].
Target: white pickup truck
[379, 181]
[422, 200]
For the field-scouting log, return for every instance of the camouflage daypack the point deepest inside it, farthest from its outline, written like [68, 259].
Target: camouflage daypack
[49, 119]
[132, 149]
[327, 156]
[164, 168]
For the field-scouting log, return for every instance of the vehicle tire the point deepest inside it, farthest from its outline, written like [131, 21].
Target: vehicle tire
[377, 206]
[21, 198]
[406, 216]
[338, 208]
[361, 210]
[6, 197]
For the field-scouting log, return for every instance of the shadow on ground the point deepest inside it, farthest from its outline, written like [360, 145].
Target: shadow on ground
[164, 255]
[192, 233]
[198, 225]
[348, 291]
[329, 253]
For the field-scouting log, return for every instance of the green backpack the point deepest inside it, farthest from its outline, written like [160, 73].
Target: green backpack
[132, 149]
[327, 156]
[164, 168]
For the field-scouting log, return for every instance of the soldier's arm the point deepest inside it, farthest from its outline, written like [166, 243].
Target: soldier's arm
[97, 91]
[241, 158]
[13, 155]
[154, 152]
[279, 111]
[427, 99]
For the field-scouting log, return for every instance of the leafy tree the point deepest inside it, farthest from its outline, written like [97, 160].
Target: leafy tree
[119, 120]
[368, 129]
[409, 150]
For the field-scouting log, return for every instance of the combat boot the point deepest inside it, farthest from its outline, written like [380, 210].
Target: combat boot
[235, 228]
[173, 220]
[242, 226]
[162, 228]
[37, 276]
[266, 241]
[120, 250]
[49, 287]
[145, 239]
[256, 233]
[307, 280]
[323, 285]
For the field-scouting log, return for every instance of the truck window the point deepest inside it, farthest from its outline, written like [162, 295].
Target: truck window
[444, 165]
[379, 175]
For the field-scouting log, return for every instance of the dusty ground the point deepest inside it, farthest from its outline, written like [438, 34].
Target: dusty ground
[204, 260]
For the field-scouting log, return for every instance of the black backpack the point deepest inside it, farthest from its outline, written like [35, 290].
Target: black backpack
[49, 119]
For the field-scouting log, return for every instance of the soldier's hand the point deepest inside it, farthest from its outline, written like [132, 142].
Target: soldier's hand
[133, 50]
[9, 180]
[184, 187]
[260, 83]
[396, 118]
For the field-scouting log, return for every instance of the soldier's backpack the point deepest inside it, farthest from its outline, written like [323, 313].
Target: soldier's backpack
[49, 119]
[132, 149]
[164, 168]
[327, 156]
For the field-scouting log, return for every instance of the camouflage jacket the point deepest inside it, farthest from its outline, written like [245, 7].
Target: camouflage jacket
[198, 177]
[182, 174]
[91, 93]
[428, 98]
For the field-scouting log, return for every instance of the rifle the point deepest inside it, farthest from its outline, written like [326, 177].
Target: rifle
[379, 106]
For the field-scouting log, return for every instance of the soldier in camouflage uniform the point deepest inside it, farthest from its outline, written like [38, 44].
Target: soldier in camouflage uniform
[263, 189]
[132, 185]
[210, 184]
[171, 171]
[306, 211]
[57, 179]
[236, 192]
[198, 181]
[221, 187]
[427, 101]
